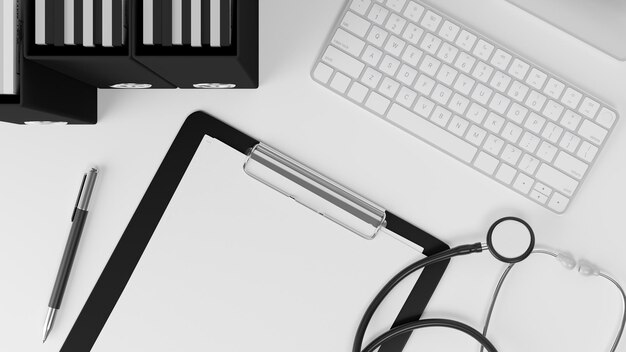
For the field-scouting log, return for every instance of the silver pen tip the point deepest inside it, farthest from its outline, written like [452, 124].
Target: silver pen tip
[47, 326]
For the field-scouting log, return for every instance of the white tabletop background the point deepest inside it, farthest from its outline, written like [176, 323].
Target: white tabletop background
[542, 309]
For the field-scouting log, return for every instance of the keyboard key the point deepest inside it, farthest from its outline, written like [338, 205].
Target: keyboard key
[519, 69]
[372, 55]
[512, 132]
[322, 73]
[441, 116]
[377, 36]
[523, 183]
[340, 82]
[347, 42]
[536, 79]
[431, 21]
[466, 41]
[476, 113]
[447, 53]
[552, 132]
[360, 6]
[430, 65]
[546, 152]
[483, 50]
[377, 103]
[482, 94]
[447, 75]
[569, 142]
[554, 89]
[412, 55]
[589, 108]
[528, 164]
[343, 62]
[571, 98]
[395, 46]
[517, 113]
[592, 132]
[395, 24]
[482, 72]
[449, 31]
[378, 14]
[535, 123]
[357, 92]
[518, 91]
[511, 154]
[389, 65]
[458, 126]
[570, 165]
[476, 135]
[543, 189]
[538, 196]
[606, 118]
[501, 60]
[557, 180]
[371, 78]
[425, 85]
[493, 145]
[506, 174]
[570, 120]
[494, 123]
[413, 33]
[355, 24]
[536, 100]
[459, 104]
[430, 44]
[406, 97]
[414, 11]
[406, 75]
[424, 107]
[432, 134]
[465, 62]
[553, 110]
[464, 84]
[558, 202]
[396, 5]
[441, 94]
[389, 87]
[500, 81]
[499, 103]
[529, 142]
[486, 163]
[587, 151]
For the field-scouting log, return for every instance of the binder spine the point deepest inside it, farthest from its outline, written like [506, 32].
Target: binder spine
[315, 191]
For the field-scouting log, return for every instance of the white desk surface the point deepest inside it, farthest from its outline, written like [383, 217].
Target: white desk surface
[41, 169]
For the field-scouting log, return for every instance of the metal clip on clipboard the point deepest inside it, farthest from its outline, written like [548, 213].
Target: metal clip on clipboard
[315, 191]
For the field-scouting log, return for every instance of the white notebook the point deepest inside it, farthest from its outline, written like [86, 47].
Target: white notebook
[236, 266]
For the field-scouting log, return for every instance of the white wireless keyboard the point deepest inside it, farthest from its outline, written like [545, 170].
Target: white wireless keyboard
[470, 97]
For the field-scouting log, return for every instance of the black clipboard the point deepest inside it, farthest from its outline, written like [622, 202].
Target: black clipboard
[147, 216]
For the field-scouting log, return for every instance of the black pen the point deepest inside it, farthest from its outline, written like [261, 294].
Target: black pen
[78, 222]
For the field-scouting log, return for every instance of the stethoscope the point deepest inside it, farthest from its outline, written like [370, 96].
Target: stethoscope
[510, 240]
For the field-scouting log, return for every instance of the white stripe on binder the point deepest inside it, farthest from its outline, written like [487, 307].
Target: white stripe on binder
[40, 22]
[177, 22]
[68, 26]
[196, 22]
[88, 23]
[7, 48]
[148, 9]
[107, 22]
[215, 23]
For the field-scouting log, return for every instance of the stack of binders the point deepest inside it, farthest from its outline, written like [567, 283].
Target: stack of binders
[54, 54]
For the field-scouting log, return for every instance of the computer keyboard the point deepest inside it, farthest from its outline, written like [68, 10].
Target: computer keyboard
[463, 93]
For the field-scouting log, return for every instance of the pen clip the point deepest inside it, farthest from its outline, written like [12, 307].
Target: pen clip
[80, 191]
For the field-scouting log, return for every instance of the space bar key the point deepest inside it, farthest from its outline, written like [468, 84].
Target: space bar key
[431, 133]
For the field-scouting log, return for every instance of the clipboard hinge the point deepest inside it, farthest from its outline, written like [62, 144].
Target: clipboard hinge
[315, 191]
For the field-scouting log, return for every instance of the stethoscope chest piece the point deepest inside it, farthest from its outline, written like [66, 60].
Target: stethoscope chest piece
[510, 240]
